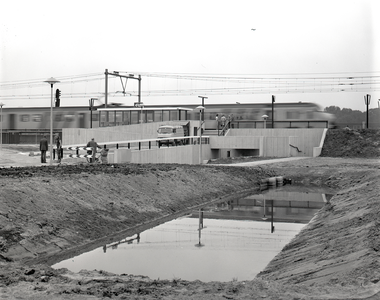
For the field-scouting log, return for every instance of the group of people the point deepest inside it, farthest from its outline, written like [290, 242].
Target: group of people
[103, 153]
[44, 146]
[222, 121]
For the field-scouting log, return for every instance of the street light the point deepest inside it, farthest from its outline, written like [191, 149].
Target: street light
[51, 81]
[265, 117]
[91, 103]
[1, 126]
[201, 109]
[273, 101]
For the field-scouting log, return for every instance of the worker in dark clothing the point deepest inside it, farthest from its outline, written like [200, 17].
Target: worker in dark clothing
[94, 145]
[58, 144]
[44, 146]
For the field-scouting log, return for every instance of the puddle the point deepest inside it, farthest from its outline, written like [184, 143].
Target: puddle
[236, 241]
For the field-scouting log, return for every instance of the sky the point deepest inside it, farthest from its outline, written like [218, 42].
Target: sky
[327, 52]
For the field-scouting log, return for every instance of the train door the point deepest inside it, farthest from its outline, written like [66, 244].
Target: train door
[12, 122]
[82, 120]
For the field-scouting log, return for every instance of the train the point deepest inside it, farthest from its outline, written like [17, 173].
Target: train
[37, 119]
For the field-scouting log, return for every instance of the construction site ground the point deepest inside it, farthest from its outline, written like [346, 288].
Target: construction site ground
[50, 213]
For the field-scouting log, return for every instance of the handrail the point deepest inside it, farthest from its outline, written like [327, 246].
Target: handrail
[291, 123]
[224, 129]
[116, 143]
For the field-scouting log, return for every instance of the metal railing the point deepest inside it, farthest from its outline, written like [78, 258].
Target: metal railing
[280, 124]
[146, 144]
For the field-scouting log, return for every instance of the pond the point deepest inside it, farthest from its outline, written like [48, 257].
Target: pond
[225, 241]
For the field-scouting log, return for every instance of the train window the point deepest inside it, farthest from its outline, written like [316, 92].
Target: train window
[292, 115]
[37, 118]
[173, 115]
[157, 116]
[103, 117]
[58, 117]
[209, 116]
[165, 115]
[134, 117]
[183, 115]
[111, 117]
[69, 118]
[95, 117]
[142, 116]
[24, 118]
[126, 115]
[150, 116]
[119, 117]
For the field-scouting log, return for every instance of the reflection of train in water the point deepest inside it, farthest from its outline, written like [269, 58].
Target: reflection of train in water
[37, 119]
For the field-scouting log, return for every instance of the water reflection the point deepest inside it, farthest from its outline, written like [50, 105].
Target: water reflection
[200, 228]
[128, 240]
[234, 240]
[280, 204]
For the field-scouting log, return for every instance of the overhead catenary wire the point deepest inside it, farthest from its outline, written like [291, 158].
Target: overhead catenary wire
[183, 84]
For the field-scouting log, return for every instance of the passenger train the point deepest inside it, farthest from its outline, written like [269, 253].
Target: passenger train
[37, 119]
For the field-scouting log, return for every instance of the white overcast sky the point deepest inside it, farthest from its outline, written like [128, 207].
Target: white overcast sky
[42, 39]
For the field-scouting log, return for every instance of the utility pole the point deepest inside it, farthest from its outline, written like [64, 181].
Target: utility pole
[203, 105]
[273, 100]
[367, 101]
[129, 76]
[139, 79]
[106, 90]
[91, 103]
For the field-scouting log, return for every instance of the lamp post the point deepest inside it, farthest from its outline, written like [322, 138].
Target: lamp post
[141, 112]
[201, 109]
[265, 117]
[273, 100]
[91, 102]
[367, 101]
[51, 81]
[1, 126]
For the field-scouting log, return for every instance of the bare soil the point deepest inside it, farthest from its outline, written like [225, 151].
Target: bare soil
[52, 213]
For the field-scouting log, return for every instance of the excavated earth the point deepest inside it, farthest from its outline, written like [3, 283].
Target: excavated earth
[51, 213]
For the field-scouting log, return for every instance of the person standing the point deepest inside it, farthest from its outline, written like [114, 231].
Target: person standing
[94, 145]
[58, 143]
[223, 121]
[104, 154]
[44, 146]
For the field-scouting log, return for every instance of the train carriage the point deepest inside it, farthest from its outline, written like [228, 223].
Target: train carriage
[27, 120]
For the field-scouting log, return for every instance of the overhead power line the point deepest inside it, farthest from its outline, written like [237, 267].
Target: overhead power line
[184, 84]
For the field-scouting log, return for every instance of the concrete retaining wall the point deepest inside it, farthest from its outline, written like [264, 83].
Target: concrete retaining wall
[181, 155]
[272, 142]
[237, 142]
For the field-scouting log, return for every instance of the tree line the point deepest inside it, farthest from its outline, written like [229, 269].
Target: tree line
[355, 119]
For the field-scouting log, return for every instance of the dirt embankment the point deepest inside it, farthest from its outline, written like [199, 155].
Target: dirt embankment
[52, 213]
[82, 203]
[364, 143]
